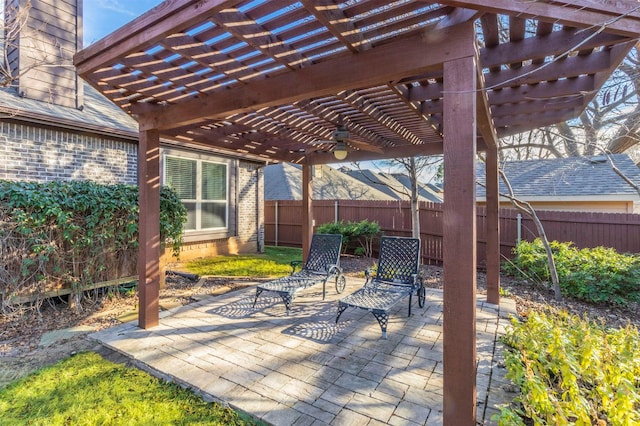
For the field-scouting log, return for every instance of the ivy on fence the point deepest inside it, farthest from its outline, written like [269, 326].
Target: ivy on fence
[74, 234]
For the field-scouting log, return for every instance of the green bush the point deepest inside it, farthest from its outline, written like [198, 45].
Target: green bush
[357, 236]
[73, 234]
[596, 275]
[572, 371]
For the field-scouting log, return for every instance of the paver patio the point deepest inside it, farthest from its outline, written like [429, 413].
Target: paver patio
[304, 369]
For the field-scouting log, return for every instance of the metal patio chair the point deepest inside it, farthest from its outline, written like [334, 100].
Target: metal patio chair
[322, 265]
[397, 277]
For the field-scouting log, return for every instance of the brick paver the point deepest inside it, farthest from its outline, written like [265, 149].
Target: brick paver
[303, 369]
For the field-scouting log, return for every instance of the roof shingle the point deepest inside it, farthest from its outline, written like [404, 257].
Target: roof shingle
[566, 177]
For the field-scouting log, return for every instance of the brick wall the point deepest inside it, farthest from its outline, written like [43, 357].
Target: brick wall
[250, 203]
[44, 154]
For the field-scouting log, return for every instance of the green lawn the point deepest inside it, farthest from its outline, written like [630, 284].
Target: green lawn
[275, 262]
[85, 389]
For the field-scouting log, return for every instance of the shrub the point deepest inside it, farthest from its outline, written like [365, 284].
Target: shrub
[73, 234]
[572, 371]
[595, 275]
[361, 234]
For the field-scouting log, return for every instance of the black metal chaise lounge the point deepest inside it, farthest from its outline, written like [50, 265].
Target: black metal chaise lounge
[396, 278]
[322, 265]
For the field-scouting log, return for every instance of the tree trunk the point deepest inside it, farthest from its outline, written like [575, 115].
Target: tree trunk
[527, 209]
[415, 205]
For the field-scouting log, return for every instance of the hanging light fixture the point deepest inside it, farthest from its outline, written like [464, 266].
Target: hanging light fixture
[340, 151]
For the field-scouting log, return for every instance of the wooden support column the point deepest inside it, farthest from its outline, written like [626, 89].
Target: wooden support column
[492, 224]
[493, 227]
[307, 211]
[459, 240]
[149, 228]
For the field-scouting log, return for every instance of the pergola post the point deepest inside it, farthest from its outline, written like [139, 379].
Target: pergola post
[149, 228]
[492, 231]
[307, 212]
[459, 240]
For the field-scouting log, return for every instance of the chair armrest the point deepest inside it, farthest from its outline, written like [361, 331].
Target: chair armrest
[368, 273]
[370, 278]
[296, 264]
[334, 270]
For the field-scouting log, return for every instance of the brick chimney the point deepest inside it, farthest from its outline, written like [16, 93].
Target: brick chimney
[41, 54]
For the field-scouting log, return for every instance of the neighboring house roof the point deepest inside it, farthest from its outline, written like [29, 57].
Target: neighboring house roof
[395, 185]
[283, 181]
[425, 191]
[380, 181]
[436, 188]
[563, 178]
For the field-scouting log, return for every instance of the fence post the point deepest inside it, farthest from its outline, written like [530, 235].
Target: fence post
[335, 208]
[519, 228]
[276, 232]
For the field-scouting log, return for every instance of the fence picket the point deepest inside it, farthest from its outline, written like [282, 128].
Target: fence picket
[585, 229]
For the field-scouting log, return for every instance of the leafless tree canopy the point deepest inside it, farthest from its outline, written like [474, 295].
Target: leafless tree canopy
[22, 31]
[610, 123]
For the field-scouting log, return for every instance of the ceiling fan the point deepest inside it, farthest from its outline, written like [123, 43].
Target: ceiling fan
[341, 138]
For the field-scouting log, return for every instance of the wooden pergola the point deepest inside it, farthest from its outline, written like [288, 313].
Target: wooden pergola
[267, 80]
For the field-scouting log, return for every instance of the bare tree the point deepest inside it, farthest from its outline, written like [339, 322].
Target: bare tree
[20, 30]
[527, 209]
[414, 167]
[36, 62]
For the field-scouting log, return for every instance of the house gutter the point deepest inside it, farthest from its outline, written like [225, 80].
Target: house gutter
[44, 120]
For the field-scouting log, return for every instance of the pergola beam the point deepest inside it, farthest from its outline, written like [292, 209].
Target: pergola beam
[620, 17]
[539, 47]
[566, 68]
[389, 62]
[432, 148]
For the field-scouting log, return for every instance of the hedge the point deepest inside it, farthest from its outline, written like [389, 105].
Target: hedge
[74, 234]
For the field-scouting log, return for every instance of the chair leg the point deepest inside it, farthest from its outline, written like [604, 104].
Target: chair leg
[341, 309]
[258, 292]
[383, 319]
[287, 298]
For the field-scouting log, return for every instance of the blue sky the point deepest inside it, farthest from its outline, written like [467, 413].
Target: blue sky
[102, 17]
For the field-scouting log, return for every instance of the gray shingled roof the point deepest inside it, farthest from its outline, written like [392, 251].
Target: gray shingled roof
[98, 112]
[425, 191]
[395, 185]
[283, 181]
[380, 181]
[566, 177]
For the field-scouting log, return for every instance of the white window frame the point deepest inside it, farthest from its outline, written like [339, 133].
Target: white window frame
[200, 233]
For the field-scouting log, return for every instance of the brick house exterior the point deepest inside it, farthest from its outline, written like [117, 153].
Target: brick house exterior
[48, 138]
[43, 154]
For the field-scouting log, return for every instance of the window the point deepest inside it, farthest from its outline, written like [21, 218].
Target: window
[203, 187]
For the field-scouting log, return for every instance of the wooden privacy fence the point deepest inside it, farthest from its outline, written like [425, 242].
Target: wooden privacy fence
[283, 225]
